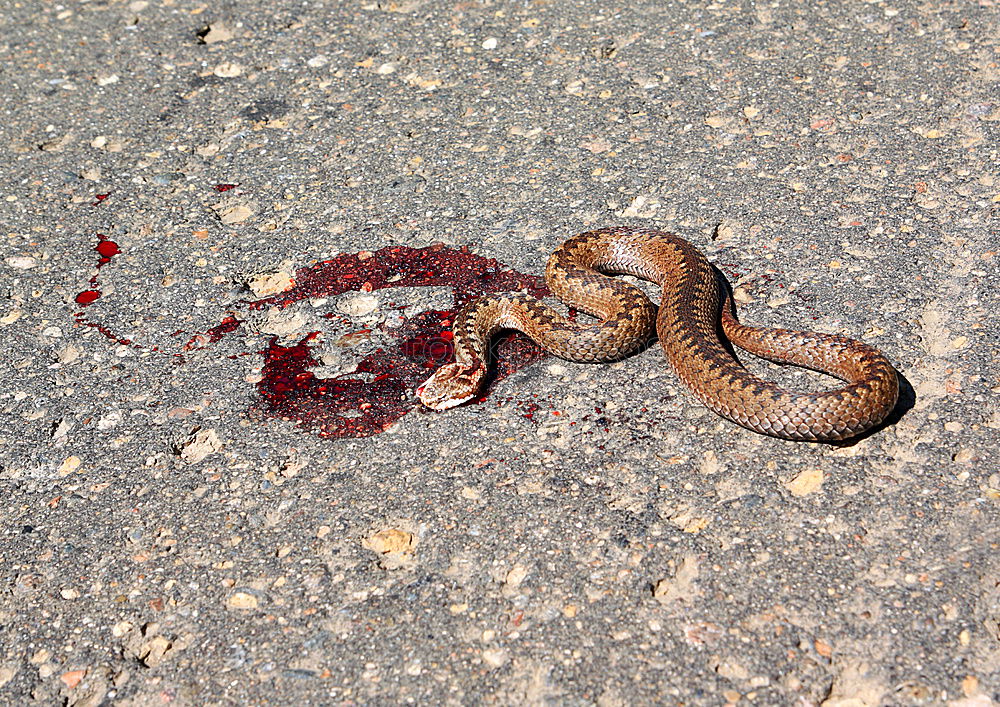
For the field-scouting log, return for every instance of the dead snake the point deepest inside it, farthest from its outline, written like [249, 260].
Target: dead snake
[696, 317]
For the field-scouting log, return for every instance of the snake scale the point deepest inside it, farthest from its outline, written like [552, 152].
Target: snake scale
[696, 318]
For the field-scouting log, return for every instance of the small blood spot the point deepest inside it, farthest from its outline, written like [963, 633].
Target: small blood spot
[87, 296]
[107, 249]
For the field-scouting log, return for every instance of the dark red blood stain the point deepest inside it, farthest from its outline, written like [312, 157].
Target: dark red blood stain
[381, 388]
[87, 296]
[100, 198]
[225, 187]
[217, 332]
[399, 266]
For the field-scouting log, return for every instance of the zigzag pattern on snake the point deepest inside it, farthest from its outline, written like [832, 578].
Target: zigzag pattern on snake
[695, 318]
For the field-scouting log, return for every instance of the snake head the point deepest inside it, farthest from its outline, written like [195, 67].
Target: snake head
[451, 385]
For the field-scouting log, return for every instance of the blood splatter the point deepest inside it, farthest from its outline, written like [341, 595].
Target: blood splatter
[106, 249]
[227, 325]
[99, 198]
[224, 187]
[381, 388]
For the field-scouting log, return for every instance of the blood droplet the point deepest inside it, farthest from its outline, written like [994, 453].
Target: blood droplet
[87, 296]
[107, 248]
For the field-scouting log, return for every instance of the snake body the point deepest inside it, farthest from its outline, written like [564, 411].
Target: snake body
[696, 318]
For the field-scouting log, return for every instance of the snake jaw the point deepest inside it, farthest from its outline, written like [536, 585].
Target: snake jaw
[451, 385]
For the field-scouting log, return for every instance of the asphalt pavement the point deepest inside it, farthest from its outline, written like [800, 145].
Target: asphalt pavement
[234, 234]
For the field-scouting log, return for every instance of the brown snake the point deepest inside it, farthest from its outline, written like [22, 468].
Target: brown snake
[696, 317]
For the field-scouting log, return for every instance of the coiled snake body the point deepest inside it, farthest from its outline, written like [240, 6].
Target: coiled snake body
[695, 319]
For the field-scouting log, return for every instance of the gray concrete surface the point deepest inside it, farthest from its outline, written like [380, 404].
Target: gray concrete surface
[838, 160]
